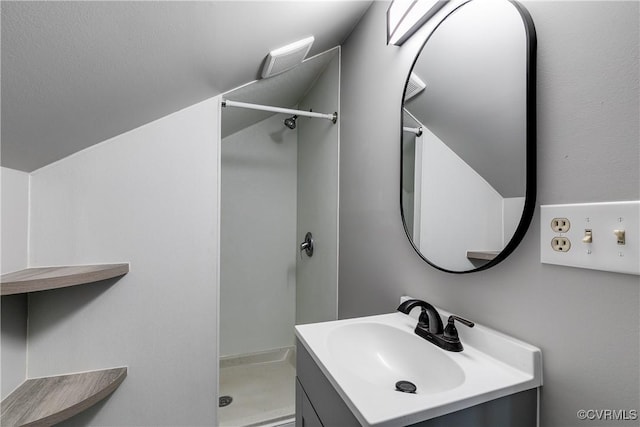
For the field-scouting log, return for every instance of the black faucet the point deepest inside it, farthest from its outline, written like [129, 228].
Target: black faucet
[430, 326]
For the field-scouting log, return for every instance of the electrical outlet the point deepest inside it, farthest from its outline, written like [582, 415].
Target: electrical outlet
[598, 236]
[560, 244]
[560, 225]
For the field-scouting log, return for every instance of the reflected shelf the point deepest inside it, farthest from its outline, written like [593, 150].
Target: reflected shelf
[482, 255]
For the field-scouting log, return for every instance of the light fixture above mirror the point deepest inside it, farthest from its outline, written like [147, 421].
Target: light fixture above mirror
[404, 17]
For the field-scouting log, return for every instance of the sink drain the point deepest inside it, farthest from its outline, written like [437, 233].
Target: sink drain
[224, 401]
[406, 387]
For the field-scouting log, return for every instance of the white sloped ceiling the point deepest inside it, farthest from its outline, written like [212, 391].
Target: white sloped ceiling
[76, 73]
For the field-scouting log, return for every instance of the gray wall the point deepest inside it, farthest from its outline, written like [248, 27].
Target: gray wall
[585, 322]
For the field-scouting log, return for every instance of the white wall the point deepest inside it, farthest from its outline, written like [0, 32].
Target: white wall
[14, 217]
[586, 322]
[258, 238]
[318, 196]
[512, 208]
[148, 197]
[459, 210]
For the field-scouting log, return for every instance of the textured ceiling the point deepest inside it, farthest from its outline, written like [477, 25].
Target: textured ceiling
[284, 90]
[77, 73]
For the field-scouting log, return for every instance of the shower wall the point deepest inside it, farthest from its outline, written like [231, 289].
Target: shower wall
[279, 183]
[258, 238]
[318, 182]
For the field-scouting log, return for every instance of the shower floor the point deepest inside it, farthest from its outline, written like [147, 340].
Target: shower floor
[262, 387]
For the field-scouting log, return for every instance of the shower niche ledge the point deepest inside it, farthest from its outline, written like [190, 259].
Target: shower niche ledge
[50, 400]
[44, 278]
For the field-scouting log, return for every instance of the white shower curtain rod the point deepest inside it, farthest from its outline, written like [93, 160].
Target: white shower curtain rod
[417, 131]
[228, 103]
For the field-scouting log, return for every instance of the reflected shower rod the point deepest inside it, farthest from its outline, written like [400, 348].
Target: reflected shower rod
[417, 131]
[228, 103]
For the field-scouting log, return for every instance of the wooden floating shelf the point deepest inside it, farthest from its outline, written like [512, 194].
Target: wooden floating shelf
[483, 255]
[50, 400]
[43, 278]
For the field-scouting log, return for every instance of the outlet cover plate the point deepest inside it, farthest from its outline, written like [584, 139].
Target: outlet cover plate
[603, 253]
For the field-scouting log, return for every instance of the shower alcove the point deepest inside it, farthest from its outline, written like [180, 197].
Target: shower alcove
[277, 184]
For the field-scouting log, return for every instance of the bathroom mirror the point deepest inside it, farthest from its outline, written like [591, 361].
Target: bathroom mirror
[468, 137]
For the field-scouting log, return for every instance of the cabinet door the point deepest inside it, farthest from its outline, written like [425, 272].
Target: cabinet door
[305, 414]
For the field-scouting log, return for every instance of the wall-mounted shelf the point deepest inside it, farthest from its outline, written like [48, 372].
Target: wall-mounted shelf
[43, 278]
[483, 255]
[50, 400]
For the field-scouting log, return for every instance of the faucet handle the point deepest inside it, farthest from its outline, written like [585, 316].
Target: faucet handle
[424, 317]
[464, 321]
[450, 331]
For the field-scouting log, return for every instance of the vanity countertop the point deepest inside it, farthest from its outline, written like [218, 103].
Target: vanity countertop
[492, 365]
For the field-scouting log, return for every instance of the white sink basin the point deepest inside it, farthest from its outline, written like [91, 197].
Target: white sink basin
[363, 358]
[382, 355]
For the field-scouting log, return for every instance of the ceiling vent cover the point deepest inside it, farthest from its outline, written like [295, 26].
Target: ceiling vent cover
[286, 57]
[414, 87]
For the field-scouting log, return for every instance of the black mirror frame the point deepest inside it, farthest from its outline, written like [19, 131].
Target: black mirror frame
[531, 135]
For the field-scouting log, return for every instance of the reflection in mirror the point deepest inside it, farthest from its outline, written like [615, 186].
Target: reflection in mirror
[468, 158]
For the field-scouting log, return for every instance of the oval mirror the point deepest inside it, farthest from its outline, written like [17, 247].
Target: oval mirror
[468, 137]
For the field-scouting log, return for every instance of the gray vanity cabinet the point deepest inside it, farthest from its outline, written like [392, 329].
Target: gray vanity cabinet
[319, 405]
[317, 402]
